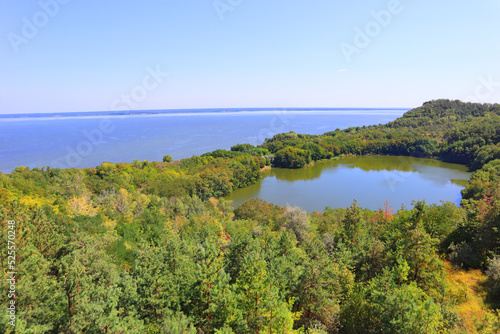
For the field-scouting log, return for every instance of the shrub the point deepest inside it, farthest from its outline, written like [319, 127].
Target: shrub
[292, 157]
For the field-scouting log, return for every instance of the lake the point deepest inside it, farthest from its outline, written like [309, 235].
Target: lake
[78, 142]
[370, 180]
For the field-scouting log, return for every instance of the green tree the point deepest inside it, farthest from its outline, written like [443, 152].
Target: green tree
[213, 300]
[91, 286]
[384, 307]
[259, 301]
[292, 157]
[324, 283]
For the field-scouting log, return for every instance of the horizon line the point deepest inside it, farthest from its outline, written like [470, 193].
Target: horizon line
[240, 109]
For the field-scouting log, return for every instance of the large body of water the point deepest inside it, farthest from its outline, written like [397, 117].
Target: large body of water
[369, 180]
[64, 142]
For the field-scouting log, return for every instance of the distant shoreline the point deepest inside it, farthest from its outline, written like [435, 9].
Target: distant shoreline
[182, 112]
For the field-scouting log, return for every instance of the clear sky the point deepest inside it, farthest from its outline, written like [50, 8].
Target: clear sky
[70, 55]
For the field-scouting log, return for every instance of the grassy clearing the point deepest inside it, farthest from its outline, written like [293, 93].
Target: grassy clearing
[470, 289]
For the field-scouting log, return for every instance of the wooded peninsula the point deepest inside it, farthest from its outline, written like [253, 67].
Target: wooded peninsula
[152, 247]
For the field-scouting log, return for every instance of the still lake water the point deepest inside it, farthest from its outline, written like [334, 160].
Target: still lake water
[64, 142]
[369, 180]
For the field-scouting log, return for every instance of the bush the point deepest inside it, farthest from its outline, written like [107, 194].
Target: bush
[292, 157]
[297, 221]
[259, 210]
[464, 255]
[493, 271]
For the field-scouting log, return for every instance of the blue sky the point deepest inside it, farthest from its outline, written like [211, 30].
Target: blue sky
[99, 55]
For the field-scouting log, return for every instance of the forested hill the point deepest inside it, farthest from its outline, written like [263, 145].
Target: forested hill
[452, 131]
[444, 113]
[150, 247]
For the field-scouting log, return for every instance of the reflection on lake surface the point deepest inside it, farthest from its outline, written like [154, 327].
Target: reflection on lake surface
[369, 180]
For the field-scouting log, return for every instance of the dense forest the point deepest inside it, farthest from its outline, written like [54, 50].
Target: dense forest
[151, 247]
[451, 131]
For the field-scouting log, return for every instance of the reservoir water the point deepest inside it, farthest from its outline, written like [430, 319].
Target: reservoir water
[369, 180]
[61, 142]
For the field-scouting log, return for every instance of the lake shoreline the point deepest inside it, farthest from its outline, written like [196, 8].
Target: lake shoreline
[344, 156]
[337, 182]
